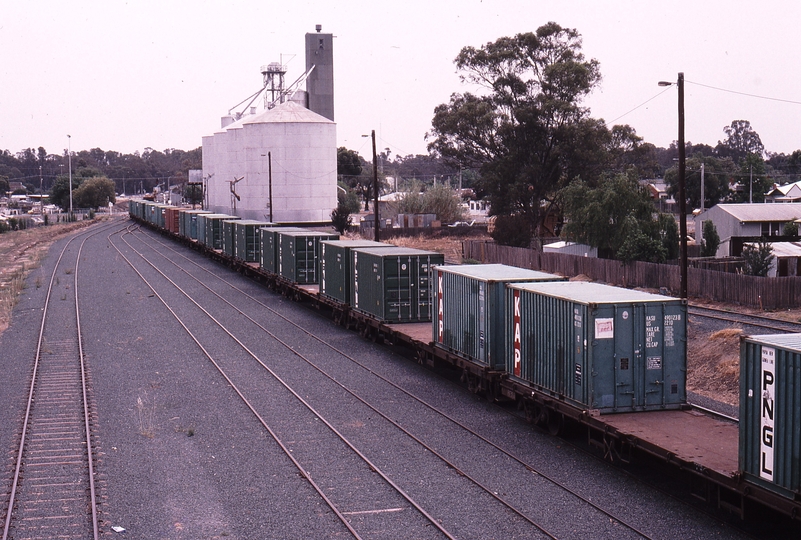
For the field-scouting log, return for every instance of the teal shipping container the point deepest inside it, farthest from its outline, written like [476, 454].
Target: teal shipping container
[268, 252]
[335, 266]
[393, 283]
[299, 255]
[599, 348]
[228, 236]
[770, 412]
[247, 242]
[213, 225]
[469, 308]
[189, 223]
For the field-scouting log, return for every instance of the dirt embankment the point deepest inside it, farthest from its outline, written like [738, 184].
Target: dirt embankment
[21, 252]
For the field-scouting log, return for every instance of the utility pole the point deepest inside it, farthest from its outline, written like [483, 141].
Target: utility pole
[682, 188]
[375, 190]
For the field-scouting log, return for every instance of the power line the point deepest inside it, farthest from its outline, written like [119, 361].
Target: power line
[638, 106]
[744, 93]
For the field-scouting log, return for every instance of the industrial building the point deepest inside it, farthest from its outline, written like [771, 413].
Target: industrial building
[279, 164]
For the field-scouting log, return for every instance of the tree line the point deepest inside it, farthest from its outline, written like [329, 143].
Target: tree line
[38, 171]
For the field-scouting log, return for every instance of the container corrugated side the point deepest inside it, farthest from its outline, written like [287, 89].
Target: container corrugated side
[193, 226]
[598, 347]
[299, 255]
[268, 250]
[227, 236]
[469, 308]
[247, 242]
[394, 283]
[335, 266]
[214, 229]
[770, 412]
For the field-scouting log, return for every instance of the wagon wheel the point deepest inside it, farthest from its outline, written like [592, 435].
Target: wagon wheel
[555, 422]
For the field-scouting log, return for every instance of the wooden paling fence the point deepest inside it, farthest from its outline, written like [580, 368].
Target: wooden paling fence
[765, 293]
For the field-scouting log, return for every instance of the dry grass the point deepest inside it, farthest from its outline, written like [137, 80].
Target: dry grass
[713, 365]
[20, 253]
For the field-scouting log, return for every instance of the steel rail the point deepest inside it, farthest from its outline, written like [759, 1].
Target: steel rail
[401, 389]
[272, 433]
[757, 321]
[32, 389]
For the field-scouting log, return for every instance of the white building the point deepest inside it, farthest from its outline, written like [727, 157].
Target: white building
[788, 193]
[297, 145]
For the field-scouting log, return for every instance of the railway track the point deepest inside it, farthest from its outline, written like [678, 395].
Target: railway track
[53, 493]
[453, 462]
[759, 322]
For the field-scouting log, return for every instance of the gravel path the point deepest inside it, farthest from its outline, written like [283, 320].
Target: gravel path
[184, 458]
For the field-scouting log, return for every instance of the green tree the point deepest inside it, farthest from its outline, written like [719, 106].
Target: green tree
[439, 199]
[527, 132]
[444, 202]
[512, 231]
[348, 198]
[602, 216]
[753, 181]
[193, 193]
[790, 229]
[349, 162]
[758, 258]
[669, 235]
[638, 245]
[411, 201]
[340, 218]
[60, 192]
[93, 193]
[717, 172]
[741, 140]
[710, 241]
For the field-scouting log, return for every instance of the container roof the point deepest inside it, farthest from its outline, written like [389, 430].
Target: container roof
[288, 112]
[784, 341]
[356, 243]
[396, 251]
[303, 232]
[498, 272]
[253, 222]
[585, 292]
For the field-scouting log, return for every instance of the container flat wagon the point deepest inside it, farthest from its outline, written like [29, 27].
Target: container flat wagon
[705, 449]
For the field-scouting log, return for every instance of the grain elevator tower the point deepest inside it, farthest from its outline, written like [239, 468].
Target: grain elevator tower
[320, 82]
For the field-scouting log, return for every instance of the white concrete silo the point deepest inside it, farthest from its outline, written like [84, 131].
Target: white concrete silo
[302, 148]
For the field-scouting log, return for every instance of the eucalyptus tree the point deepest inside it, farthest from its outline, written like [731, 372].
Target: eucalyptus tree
[525, 129]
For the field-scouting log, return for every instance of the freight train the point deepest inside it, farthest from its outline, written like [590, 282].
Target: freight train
[608, 359]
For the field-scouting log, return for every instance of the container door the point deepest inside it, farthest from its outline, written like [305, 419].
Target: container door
[626, 357]
[575, 377]
[654, 356]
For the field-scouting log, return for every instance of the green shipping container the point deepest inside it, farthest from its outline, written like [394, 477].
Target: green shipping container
[393, 283]
[213, 224]
[268, 251]
[335, 266]
[228, 236]
[600, 348]
[299, 255]
[247, 242]
[770, 412]
[469, 307]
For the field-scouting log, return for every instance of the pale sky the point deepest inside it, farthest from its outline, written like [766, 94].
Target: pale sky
[125, 75]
